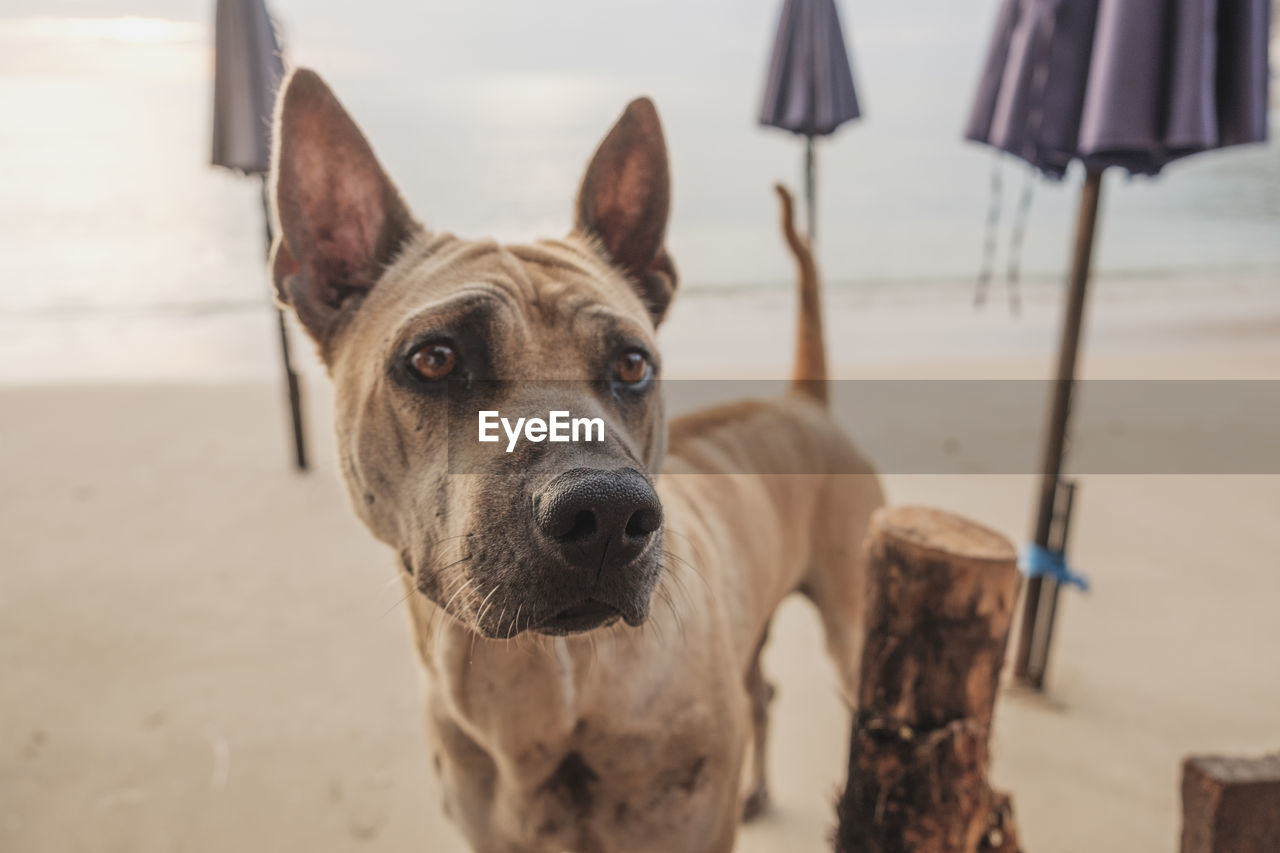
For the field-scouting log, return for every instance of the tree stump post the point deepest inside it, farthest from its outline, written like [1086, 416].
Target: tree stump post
[1231, 805]
[940, 600]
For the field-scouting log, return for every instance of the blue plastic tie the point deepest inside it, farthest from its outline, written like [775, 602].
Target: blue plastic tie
[1038, 562]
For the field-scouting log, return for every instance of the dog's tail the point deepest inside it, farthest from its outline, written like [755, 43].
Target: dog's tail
[809, 375]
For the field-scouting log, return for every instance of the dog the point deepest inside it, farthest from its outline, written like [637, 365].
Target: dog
[590, 617]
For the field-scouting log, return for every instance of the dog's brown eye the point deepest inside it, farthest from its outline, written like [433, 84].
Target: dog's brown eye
[434, 361]
[631, 367]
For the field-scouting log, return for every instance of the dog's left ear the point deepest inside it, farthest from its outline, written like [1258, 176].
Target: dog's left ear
[624, 201]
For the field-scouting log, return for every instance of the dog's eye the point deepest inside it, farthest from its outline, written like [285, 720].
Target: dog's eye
[631, 368]
[433, 361]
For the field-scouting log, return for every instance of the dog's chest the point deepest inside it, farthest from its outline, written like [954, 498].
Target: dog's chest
[569, 752]
[603, 781]
[616, 784]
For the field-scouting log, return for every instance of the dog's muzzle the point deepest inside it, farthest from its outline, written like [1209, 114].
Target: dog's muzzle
[600, 523]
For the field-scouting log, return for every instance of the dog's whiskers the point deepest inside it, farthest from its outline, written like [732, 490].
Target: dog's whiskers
[656, 626]
[418, 587]
[410, 591]
[515, 627]
[440, 616]
[672, 583]
[415, 587]
[689, 565]
[665, 595]
[526, 642]
[675, 579]
[441, 570]
[693, 546]
[435, 543]
[484, 607]
[454, 597]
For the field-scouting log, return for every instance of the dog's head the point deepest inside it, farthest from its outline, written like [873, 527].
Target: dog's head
[421, 331]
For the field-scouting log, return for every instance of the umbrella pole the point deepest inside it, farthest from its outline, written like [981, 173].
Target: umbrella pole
[810, 185]
[1042, 593]
[290, 376]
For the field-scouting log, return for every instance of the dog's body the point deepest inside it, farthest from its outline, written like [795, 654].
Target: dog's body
[634, 739]
[554, 725]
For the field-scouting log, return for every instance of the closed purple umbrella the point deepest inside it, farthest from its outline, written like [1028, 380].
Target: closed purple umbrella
[1133, 84]
[1128, 83]
[248, 68]
[809, 90]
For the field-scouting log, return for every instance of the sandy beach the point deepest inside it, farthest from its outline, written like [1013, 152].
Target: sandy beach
[202, 651]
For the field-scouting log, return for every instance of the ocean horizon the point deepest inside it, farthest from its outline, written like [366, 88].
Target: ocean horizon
[485, 118]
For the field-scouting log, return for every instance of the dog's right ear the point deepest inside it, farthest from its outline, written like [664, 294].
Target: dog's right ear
[338, 218]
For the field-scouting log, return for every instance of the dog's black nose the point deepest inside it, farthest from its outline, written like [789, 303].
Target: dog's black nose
[599, 519]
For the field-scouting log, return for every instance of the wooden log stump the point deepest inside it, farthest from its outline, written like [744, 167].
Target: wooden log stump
[940, 601]
[1231, 805]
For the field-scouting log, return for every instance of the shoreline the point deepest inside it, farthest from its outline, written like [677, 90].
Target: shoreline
[913, 330]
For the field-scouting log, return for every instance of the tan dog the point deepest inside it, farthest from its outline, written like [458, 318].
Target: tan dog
[607, 723]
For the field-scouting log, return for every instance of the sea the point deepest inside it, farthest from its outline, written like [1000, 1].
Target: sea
[125, 256]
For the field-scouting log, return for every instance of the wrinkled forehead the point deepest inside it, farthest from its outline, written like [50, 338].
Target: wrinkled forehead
[556, 298]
